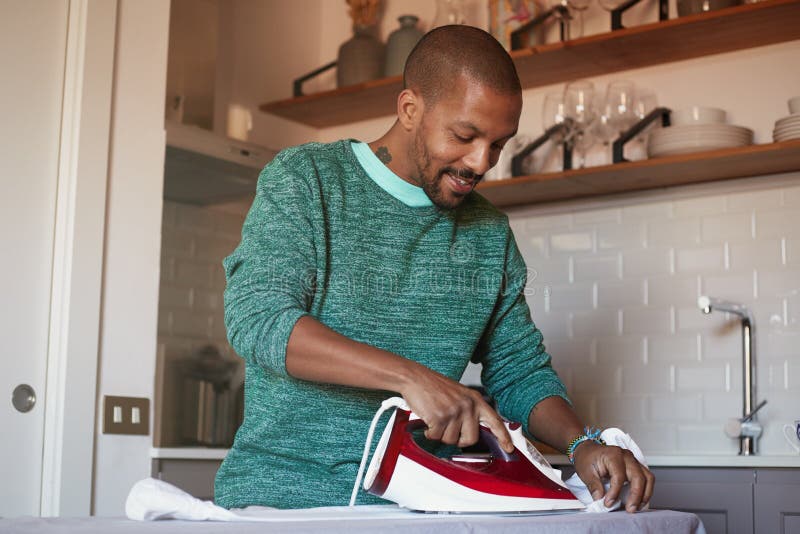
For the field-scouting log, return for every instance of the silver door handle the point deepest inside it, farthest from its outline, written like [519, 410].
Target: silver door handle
[23, 398]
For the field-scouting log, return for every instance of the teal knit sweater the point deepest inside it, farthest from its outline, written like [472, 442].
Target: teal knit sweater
[439, 287]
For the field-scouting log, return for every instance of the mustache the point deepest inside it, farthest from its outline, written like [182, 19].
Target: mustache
[464, 174]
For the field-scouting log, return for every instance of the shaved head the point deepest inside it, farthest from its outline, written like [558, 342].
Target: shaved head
[448, 52]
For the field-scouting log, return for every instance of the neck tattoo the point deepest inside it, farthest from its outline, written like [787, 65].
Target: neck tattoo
[383, 155]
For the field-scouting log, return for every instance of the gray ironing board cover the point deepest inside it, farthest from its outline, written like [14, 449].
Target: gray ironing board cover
[651, 521]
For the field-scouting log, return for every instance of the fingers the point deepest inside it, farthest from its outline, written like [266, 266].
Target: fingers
[595, 486]
[649, 486]
[648, 483]
[617, 471]
[624, 466]
[489, 418]
[637, 480]
[458, 421]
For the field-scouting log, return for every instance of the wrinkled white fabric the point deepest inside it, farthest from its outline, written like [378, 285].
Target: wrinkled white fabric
[612, 436]
[153, 500]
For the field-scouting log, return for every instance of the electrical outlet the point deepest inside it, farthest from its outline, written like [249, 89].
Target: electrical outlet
[126, 415]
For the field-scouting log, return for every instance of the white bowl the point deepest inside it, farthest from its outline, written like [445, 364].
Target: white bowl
[794, 105]
[698, 115]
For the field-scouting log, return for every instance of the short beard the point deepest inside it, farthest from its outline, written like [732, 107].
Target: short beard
[432, 183]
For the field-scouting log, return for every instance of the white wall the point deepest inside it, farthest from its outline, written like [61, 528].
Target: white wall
[133, 224]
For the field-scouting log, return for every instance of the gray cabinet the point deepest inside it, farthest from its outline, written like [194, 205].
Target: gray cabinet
[776, 501]
[195, 477]
[733, 500]
[721, 498]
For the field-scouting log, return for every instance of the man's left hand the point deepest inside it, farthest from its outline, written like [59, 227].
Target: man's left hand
[594, 462]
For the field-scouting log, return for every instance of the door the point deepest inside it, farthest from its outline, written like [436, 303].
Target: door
[32, 63]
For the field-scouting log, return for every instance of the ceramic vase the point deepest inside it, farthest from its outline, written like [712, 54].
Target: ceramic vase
[400, 43]
[360, 57]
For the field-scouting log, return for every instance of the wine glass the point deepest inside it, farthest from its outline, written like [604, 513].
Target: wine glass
[580, 6]
[644, 102]
[602, 128]
[553, 113]
[579, 105]
[448, 12]
[566, 15]
[611, 5]
[620, 97]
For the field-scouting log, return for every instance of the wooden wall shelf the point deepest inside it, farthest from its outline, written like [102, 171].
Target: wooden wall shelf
[735, 28]
[753, 160]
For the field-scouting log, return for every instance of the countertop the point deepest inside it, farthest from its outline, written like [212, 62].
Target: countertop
[688, 460]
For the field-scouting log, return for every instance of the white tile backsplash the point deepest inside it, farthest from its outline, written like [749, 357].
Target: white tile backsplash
[704, 259]
[735, 287]
[620, 293]
[673, 232]
[597, 267]
[673, 348]
[624, 236]
[650, 258]
[570, 297]
[194, 242]
[792, 245]
[762, 253]
[778, 282]
[646, 380]
[727, 227]
[778, 223]
[768, 199]
[703, 205]
[791, 197]
[593, 324]
[548, 272]
[666, 290]
[620, 349]
[708, 377]
[641, 263]
[647, 321]
[675, 408]
[571, 242]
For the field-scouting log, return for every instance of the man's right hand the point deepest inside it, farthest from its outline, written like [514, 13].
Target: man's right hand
[452, 411]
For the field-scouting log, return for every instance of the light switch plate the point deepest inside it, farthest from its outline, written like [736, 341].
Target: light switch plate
[134, 419]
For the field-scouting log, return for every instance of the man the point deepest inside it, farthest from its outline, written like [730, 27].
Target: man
[367, 271]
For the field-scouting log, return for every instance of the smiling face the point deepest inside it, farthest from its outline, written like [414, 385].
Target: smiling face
[459, 137]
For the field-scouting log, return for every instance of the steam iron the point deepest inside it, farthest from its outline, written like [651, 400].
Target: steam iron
[403, 472]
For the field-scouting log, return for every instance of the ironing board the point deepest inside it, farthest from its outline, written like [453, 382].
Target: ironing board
[653, 521]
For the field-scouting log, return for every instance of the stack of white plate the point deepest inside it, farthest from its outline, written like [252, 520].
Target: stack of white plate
[787, 128]
[697, 137]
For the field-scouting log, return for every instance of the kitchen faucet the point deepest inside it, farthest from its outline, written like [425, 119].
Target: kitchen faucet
[746, 429]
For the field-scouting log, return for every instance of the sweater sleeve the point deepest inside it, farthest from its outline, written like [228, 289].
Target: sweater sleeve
[271, 274]
[516, 367]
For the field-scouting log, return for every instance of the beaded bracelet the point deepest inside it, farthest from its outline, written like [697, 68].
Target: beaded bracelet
[589, 434]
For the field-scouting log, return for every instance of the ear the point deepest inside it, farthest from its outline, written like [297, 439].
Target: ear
[409, 109]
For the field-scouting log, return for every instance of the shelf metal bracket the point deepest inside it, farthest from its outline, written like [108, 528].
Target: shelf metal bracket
[562, 128]
[297, 84]
[619, 145]
[616, 14]
[560, 12]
